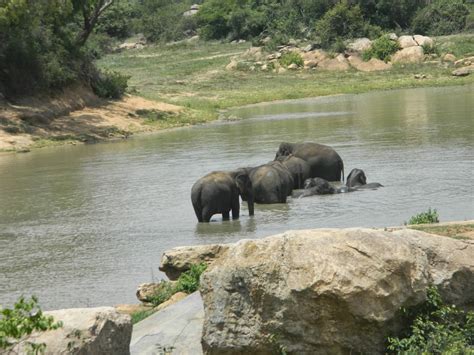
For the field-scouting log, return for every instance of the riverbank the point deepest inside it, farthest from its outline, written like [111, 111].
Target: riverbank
[187, 83]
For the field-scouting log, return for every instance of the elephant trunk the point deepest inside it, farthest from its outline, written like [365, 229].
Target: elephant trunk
[250, 203]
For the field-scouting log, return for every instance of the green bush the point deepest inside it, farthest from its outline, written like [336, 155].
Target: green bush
[430, 216]
[342, 21]
[382, 48]
[110, 84]
[289, 58]
[25, 318]
[117, 21]
[187, 282]
[435, 328]
[442, 17]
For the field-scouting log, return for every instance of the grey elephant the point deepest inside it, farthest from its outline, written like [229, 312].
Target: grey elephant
[324, 161]
[219, 191]
[272, 182]
[299, 169]
[357, 180]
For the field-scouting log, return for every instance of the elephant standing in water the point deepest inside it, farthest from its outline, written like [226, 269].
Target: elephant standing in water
[272, 182]
[218, 192]
[299, 169]
[324, 161]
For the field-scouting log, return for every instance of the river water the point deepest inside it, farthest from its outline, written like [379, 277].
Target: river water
[84, 225]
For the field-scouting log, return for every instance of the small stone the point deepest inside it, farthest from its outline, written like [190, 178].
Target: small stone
[308, 48]
[420, 76]
[465, 71]
[393, 36]
[448, 57]
[293, 66]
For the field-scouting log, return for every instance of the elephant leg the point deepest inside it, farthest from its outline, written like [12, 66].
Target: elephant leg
[235, 208]
[206, 214]
[225, 215]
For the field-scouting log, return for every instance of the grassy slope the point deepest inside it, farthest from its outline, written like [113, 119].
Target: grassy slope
[193, 75]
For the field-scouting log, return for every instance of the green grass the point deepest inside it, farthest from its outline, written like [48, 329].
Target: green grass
[430, 216]
[193, 75]
[141, 315]
[457, 231]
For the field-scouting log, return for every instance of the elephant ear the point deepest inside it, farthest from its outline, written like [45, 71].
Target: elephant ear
[243, 184]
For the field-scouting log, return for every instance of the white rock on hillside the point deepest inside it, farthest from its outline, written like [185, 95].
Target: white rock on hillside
[423, 40]
[406, 41]
[409, 55]
[360, 45]
[91, 331]
[327, 291]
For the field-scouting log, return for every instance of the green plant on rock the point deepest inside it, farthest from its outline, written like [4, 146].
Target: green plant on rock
[19, 322]
[435, 328]
[289, 58]
[382, 48]
[430, 216]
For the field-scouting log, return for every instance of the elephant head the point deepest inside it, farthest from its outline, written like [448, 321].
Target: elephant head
[284, 150]
[356, 178]
[244, 184]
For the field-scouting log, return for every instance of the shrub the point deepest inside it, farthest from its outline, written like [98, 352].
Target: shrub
[382, 48]
[289, 58]
[342, 21]
[110, 84]
[163, 294]
[430, 216]
[189, 281]
[435, 328]
[442, 17]
[25, 318]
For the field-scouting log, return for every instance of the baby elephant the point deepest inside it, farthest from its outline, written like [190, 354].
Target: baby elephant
[355, 181]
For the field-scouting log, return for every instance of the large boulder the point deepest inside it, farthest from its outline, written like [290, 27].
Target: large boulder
[464, 71]
[406, 41]
[409, 55]
[360, 45]
[339, 63]
[327, 291]
[178, 260]
[423, 40]
[373, 64]
[91, 331]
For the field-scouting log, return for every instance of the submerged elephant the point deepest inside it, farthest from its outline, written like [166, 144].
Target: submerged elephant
[218, 192]
[299, 169]
[272, 182]
[324, 161]
[357, 180]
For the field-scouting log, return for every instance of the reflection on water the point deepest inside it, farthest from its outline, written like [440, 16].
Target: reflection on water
[83, 226]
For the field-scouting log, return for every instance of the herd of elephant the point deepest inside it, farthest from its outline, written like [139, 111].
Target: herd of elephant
[307, 166]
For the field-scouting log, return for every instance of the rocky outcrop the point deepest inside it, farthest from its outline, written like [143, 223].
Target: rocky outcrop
[423, 40]
[414, 54]
[464, 71]
[325, 291]
[406, 42]
[372, 65]
[178, 260]
[360, 45]
[339, 63]
[92, 331]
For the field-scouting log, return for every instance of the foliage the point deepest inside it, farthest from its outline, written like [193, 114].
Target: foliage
[430, 216]
[289, 58]
[110, 84]
[436, 328]
[441, 17]
[25, 318]
[117, 20]
[390, 14]
[141, 315]
[382, 48]
[187, 282]
[342, 21]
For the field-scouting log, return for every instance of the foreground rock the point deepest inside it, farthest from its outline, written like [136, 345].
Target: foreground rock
[409, 55]
[92, 331]
[326, 291]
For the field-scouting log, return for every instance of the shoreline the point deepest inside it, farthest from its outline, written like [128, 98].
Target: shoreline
[143, 128]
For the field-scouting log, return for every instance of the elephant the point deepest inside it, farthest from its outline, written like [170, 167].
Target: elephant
[272, 182]
[218, 192]
[357, 180]
[299, 169]
[317, 186]
[324, 161]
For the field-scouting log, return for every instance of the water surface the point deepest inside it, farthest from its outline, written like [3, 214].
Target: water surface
[83, 226]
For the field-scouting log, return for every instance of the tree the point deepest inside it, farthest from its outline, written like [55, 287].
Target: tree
[91, 10]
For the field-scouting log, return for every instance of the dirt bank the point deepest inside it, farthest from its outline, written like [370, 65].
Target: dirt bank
[76, 115]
